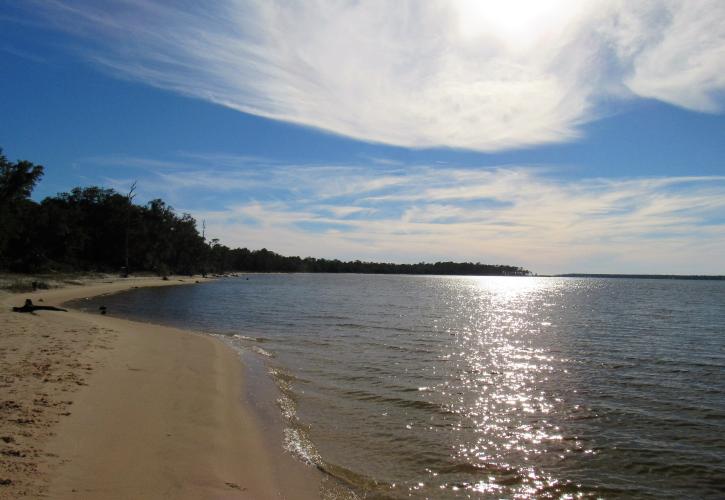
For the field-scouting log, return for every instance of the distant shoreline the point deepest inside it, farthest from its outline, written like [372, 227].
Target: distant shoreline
[642, 276]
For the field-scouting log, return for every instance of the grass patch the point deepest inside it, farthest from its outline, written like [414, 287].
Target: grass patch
[24, 285]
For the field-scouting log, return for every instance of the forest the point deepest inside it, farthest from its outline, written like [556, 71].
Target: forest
[99, 229]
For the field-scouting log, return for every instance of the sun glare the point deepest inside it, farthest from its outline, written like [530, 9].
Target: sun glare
[517, 23]
[502, 288]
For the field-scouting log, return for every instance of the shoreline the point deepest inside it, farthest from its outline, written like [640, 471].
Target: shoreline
[102, 407]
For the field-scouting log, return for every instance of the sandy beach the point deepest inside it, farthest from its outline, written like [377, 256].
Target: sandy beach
[93, 406]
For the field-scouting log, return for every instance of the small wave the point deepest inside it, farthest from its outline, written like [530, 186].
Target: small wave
[246, 338]
[228, 341]
[416, 389]
[263, 352]
[287, 407]
[283, 379]
[368, 487]
[296, 440]
[286, 400]
[474, 469]
[298, 444]
[367, 326]
[362, 395]
[352, 325]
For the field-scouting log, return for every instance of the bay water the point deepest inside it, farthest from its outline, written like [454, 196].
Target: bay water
[480, 387]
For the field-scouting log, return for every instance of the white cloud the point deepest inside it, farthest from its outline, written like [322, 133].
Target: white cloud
[484, 75]
[518, 215]
[686, 64]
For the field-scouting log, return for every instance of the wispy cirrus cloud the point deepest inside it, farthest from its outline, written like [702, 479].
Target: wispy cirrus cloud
[23, 54]
[520, 215]
[477, 74]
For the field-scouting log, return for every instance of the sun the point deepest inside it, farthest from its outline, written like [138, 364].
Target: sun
[517, 23]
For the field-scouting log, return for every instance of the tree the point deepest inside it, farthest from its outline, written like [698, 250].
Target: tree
[17, 180]
[95, 228]
[17, 211]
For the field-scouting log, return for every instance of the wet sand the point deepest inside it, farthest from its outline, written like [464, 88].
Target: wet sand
[93, 406]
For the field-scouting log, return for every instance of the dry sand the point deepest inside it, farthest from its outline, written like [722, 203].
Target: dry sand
[93, 406]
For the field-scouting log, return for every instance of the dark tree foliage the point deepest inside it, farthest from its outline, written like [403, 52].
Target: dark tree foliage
[241, 259]
[98, 229]
[87, 229]
[17, 180]
[17, 212]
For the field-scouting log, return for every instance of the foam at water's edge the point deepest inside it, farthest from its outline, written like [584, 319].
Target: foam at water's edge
[295, 439]
[263, 352]
[297, 443]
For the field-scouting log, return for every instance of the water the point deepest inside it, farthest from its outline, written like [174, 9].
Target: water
[468, 387]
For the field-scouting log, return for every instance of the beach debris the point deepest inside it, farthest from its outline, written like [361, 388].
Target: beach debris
[5, 482]
[235, 486]
[30, 307]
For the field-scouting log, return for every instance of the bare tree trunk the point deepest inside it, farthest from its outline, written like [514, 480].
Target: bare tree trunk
[130, 196]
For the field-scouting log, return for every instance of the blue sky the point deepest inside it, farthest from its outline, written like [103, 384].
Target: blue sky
[576, 136]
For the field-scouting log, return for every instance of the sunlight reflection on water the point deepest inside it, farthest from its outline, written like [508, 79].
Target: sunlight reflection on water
[499, 390]
[453, 387]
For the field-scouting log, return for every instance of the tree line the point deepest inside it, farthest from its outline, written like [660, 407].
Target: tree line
[100, 229]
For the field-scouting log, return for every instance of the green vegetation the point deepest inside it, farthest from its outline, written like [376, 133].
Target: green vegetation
[98, 229]
[20, 285]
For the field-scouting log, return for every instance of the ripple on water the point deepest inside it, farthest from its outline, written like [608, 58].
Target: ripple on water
[457, 387]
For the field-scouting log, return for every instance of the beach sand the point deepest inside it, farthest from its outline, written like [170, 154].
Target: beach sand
[93, 406]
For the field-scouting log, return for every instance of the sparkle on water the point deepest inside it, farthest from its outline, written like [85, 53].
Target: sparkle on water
[458, 387]
[500, 391]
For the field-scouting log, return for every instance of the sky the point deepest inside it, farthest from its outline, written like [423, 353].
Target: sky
[559, 136]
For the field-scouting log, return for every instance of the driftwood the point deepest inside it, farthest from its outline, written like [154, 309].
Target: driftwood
[29, 307]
